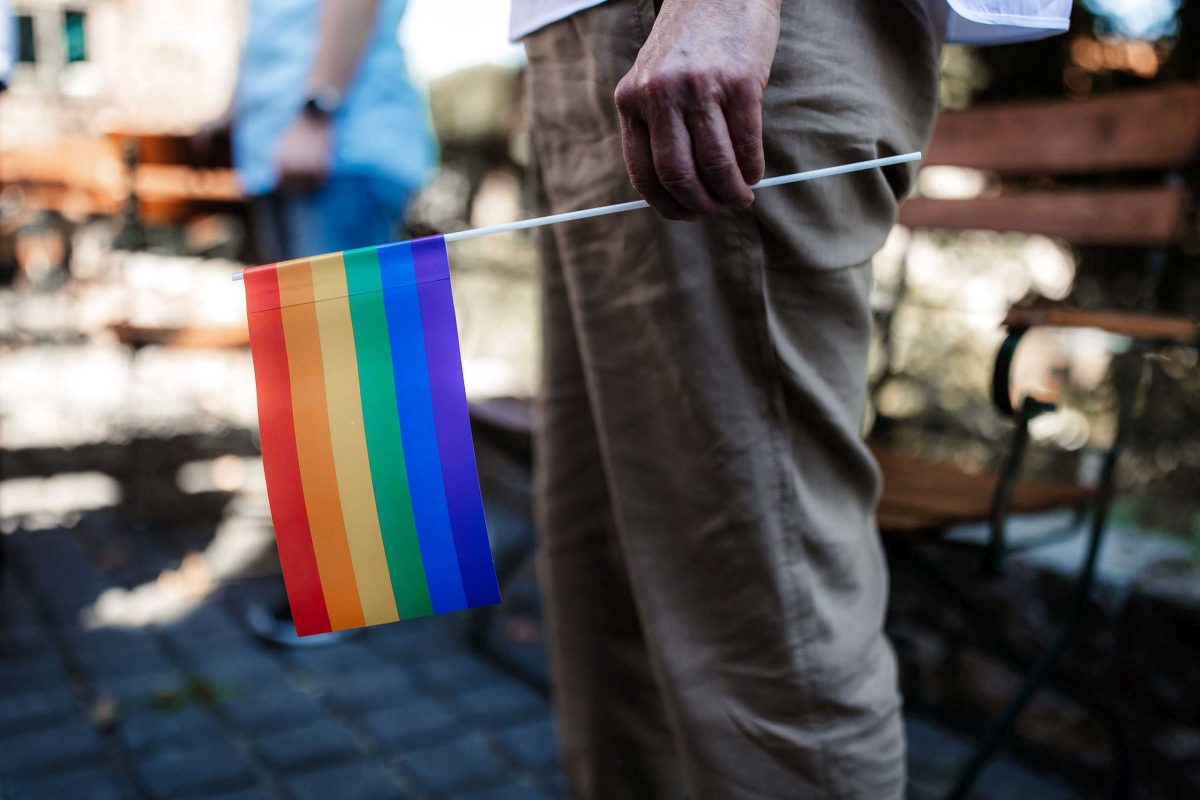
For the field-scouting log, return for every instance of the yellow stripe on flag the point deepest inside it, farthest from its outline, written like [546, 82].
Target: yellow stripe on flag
[349, 440]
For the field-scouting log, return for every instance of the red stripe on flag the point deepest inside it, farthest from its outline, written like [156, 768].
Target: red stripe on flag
[280, 461]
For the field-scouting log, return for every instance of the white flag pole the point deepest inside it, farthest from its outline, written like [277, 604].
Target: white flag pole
[619, 208]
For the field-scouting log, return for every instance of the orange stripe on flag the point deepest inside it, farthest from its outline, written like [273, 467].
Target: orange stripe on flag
[315, 448]
[344, 400]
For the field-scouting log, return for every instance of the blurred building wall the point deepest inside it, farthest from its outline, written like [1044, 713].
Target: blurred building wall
[91, 67]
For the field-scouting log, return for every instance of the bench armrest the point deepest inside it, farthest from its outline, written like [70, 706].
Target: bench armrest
[1164, 328]
[1030, 407]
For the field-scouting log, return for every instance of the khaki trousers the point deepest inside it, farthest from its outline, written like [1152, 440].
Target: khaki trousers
[714, 583]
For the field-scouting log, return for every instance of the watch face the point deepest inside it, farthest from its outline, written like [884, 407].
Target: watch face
[325, 103]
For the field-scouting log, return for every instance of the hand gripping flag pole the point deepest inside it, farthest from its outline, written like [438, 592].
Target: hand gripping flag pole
[366, 436]
[620, 208]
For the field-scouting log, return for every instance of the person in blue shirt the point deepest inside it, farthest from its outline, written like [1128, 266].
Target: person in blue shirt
[330, 140]
[330, 137]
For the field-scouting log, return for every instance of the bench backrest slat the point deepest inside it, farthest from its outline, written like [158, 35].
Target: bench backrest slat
[1145, 217]
[1156, 129]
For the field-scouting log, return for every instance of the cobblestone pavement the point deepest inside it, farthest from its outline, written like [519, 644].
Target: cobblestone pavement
[196, 708]
[199, 709]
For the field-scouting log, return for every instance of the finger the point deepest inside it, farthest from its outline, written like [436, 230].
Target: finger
[293, 181]
[743, 116]
[287, 181]
[675, 164]
[715, 160]
[313, 182]
[635, 143]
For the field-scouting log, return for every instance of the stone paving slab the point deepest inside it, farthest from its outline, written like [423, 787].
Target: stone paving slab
[154, 730]
[34, 672]
[338, 662]
[412, 643]
[422, 722]
[237, 668]
[241, 794]
[24, 710]
[138, 689]
[208, 624]
[514, 792]
[271, 709]
[362, 780]
[117, 663]
[531, 745]
[180, 771]
[85, 646]
[462, 763]
[499, 705]
[32, 753]
[84, 784]
[24, 642]
[455, 674]
[371, 691]
[307, 746]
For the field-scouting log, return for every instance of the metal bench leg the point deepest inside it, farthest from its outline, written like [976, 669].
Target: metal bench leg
[1041, 669]
[997, 546]
[1023, 663]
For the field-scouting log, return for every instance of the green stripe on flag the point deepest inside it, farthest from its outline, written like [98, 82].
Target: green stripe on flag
[385, 447]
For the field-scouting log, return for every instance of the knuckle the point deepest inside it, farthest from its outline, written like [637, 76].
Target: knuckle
[642, 182]
[676, 85]
[715, 164]
[743, 85]
[678, 180]
[659, 86]
[701, 84]
[748, 146]
[625, 97]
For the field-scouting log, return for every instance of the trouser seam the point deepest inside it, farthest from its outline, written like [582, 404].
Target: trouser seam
[756, 277]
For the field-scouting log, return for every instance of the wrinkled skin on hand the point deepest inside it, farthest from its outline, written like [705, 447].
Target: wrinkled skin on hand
[305, 155]
[691, 107]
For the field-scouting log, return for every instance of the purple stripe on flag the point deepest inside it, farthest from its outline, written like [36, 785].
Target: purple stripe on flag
[453, 424]
[418, 434]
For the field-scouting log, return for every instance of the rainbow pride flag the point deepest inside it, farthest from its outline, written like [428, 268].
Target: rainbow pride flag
[365, 437]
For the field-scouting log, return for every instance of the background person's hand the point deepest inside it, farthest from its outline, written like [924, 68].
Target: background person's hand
[691, 107]
[209, 145]
[305, 154]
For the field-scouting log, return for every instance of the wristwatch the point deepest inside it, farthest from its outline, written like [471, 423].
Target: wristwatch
[323, 103]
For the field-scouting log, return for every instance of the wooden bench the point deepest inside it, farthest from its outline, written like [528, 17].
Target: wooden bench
[918, 496]
[1106, 172]
[925, 497]
[1101, 172]
[82, 177]
[192, 337]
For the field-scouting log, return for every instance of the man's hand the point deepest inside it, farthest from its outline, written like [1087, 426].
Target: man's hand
[305, 153]
[691, 107]
[209, 145]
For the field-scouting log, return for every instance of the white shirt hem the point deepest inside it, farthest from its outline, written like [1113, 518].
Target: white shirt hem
[1015, 20]
[519, 32]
